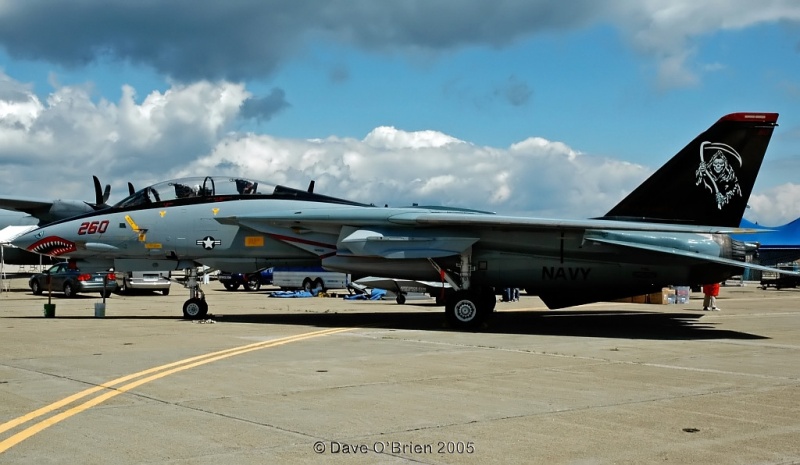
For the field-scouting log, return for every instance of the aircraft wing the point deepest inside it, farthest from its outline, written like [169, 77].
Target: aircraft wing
[24, 204]
[691, 255]
[362, 235]
[330, 219]
[405, 233]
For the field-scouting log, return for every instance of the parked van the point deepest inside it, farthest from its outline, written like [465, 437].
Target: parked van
[144, 280]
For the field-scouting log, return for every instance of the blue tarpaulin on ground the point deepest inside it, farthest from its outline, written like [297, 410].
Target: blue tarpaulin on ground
[290, 294]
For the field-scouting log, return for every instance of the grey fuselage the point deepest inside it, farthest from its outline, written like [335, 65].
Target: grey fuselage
[246, 233]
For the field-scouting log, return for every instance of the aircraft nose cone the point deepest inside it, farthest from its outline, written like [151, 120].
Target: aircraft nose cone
[24, 240]
[38, 241]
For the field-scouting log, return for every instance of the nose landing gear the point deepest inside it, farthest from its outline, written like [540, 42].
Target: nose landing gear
[196, 307]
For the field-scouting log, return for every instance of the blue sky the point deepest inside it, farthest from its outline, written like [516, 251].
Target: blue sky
[292, 91]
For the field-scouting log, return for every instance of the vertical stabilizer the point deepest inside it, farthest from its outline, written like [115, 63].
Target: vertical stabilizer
[708, 182]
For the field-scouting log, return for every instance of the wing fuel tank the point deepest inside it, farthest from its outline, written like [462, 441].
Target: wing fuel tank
[404, 244]
[101, 247]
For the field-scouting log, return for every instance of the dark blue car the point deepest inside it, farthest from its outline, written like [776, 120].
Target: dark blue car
[250, 282]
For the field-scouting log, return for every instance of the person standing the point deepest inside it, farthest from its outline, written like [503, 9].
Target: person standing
[710, 293]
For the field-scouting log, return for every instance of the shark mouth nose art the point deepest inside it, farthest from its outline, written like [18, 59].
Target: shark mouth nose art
[53, 246]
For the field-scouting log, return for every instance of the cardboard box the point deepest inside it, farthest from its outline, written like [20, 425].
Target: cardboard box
[666, 296]
[654, 298]
[683, 291]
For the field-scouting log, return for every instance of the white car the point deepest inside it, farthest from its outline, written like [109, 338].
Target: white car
[144, 280]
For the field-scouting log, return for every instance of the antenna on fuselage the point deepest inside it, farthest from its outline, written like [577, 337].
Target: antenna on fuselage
[311, 187]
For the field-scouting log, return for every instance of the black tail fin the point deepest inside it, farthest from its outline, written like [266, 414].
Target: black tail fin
[709, 181]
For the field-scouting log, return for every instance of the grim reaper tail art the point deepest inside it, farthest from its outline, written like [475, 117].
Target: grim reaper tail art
[716, 172]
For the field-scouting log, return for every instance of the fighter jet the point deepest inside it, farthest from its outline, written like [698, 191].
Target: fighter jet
[31, 212]
[673, 229]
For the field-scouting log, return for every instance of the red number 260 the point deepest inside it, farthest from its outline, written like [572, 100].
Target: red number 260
[94, 227]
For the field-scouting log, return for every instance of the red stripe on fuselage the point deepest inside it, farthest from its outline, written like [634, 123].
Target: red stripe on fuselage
[301, 241]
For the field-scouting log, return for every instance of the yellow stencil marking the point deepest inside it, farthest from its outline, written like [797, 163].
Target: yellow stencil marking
[131, 223]
[254, 241]
[135, 227]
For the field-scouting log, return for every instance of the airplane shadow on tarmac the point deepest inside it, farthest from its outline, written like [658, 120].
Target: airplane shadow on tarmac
[621, 324]
[578, 323]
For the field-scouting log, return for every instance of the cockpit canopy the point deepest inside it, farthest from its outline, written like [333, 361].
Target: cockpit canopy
[195, 188]
[218, 189]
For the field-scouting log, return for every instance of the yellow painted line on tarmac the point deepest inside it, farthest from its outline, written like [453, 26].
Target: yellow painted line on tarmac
[155, 373]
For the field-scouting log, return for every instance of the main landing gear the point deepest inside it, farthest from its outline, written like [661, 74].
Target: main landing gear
[196, 307]
[468, 307]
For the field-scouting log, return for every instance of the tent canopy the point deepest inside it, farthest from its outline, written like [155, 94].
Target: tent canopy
[9, 233]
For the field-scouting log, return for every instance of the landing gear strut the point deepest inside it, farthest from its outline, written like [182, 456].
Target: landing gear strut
[469, 306]
[196, 307]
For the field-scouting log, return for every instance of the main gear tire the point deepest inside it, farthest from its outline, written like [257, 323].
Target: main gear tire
[195, 309]
[467, 309]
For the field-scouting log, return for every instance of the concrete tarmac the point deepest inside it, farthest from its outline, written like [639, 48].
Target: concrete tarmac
[324, 380]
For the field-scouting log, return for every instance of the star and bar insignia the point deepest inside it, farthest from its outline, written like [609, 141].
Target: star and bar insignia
[208, 242]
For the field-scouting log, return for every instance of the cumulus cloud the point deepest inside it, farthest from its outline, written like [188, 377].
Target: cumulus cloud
[12, 91]
[396, 167]
[109, 138]
[19, 109]
[387, 137]
[188, 130]
[205, 39]
[775, 206]
[666, 31]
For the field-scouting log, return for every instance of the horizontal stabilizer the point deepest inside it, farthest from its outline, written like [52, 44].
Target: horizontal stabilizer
[691, 255]
[24, 205]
